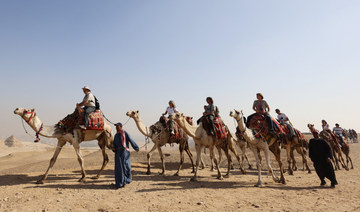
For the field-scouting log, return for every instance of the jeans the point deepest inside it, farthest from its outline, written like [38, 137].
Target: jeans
[87, 111]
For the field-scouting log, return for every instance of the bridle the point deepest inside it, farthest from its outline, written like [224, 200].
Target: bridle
[33, 114]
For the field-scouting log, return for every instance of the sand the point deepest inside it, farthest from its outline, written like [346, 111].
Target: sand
[20, 169]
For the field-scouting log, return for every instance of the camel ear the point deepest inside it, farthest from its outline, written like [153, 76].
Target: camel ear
[32, 110]
[191, 117]
[137, 111]
[182, 114]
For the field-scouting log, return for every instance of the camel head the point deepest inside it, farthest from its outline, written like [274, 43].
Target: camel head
[133, 114]
[237, 115]
[179, 117]
[26, 114]
[311, 127]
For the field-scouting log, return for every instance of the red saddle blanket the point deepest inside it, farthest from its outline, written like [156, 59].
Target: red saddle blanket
[259, 124]
[220, 129]
[71, 121]
[298, 134]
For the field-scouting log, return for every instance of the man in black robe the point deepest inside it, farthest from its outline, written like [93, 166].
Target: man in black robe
[320, 154]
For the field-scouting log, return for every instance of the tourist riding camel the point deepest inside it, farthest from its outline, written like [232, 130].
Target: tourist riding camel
[284, 120]
[261, 107]
[326, 128]
[337, 130]
[170, 110]
[89, 105]
[209, 114]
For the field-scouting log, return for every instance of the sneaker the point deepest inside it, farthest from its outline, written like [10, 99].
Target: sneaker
[82, 127]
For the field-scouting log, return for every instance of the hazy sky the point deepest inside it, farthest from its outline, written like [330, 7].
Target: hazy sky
[304, 56]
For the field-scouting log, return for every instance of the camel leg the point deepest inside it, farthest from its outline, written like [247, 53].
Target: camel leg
[293, 160]
[211, 148]
[81, 161]
[60, 144]
[181, 149]
[229, 162]
[288, 153]
[348, 158]
[202, 163]
[231, 147]
[258, 165]
[302, 152]
[105, 161]
[198, 157]
[276, 153]
[342, 161]
[162, 160]
[187, 150]
[148, 157]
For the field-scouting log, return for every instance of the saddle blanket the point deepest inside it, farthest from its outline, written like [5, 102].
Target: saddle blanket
[259, 124]
[70, 122]
[220, 129]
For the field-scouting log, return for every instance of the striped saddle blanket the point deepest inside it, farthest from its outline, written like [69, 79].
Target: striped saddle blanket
[71, 121]
[259, 124]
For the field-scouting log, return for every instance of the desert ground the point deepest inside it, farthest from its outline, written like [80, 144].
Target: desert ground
[22, 165]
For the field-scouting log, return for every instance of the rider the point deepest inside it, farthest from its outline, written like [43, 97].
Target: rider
[338, 131]
[170, 110]
[210, 113]
[261, 107]
[283, 119]
[326, 128]
[89, 105]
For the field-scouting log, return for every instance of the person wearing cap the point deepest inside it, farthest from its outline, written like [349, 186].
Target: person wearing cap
[261, 107]
[339, 131]
[89, 105]
[320, 155]
[283, 119]
[122, 156]
[171, 109]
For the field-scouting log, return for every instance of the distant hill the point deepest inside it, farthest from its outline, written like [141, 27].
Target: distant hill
[12, 141]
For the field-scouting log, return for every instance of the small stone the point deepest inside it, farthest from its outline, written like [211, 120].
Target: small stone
[6, 199]
[58, 200]
[200, 203]
[179, 202]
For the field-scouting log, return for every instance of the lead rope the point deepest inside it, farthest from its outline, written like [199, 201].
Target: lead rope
[22, 121]
[37, 138]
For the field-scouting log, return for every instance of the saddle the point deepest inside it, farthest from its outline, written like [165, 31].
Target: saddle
[259, 124]
[219, 127]
[71, 121]
[178, 132]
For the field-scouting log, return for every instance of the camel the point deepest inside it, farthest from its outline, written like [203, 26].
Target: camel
[160, 138]
[257, 144]
[335, 149]
[104, 138]
[202, 139]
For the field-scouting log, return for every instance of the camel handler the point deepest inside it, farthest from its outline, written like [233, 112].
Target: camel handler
[283, 119]
[122, 156]
[320, 155]
[89, 105]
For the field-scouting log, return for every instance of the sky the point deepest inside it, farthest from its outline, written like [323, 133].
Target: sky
[303, 56]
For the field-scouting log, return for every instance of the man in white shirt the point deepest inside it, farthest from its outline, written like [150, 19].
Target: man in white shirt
[283, 119]
[338, 131]
[89, 105]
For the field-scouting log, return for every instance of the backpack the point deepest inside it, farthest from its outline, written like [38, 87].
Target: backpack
[97, 103]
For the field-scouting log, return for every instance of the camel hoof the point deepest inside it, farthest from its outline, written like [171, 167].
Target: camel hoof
[148, 172]
[176, 174]
[226, 176]
[162, 174]
[95, 178]
[83, 179]
[259, 185]
[220, 178]
[193, 179]
[309, 172]
[250, 167]
[40, 182]
[243, 171]
[193, 171]
[347, 169]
